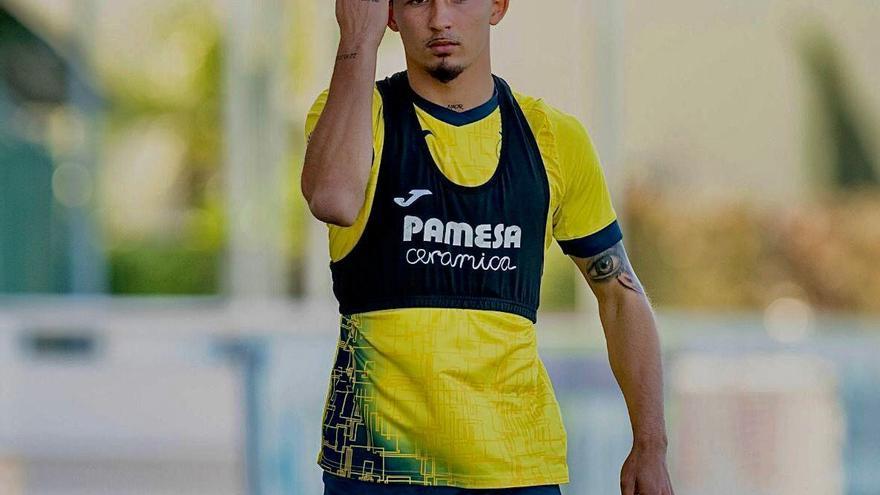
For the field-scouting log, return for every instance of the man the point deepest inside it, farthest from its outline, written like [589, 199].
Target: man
[442, 189]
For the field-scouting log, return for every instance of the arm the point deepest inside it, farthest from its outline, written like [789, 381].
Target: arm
[634, 355]
[340, 150]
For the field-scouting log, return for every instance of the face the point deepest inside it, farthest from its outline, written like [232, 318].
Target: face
[445, 37]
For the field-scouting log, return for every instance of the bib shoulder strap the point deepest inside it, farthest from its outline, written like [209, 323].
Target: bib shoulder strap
[394, 89]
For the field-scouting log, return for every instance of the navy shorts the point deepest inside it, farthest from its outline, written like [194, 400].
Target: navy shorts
[337, 485]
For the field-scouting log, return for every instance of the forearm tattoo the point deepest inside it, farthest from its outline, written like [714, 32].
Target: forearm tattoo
[347, 56]
[610, 265]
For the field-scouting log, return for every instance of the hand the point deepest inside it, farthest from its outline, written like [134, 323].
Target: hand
[644, 473]
[362, 21]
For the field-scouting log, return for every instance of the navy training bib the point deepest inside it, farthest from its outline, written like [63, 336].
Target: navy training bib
[430, 242]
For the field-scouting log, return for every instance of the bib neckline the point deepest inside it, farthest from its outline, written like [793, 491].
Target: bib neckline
[452, 117]
[426, 152]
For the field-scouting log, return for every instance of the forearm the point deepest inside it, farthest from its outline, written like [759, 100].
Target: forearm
[634, 355]
[340, 151]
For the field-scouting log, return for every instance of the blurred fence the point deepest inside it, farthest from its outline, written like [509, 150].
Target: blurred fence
[143, 396]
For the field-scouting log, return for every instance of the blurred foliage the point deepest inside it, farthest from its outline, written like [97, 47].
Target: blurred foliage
[164, 269]
[179, 266]
[176, 76]
[30, 71]
[178, 82]
[743, 257]
[851, 163]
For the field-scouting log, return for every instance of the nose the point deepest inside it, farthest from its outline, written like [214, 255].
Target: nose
[441, 16]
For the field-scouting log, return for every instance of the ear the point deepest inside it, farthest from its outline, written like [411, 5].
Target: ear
[499, 9]
[391, 22]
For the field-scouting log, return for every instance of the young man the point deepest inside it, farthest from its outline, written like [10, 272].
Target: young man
[442, 189]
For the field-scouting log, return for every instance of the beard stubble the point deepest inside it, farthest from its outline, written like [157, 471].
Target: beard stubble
[445, 72]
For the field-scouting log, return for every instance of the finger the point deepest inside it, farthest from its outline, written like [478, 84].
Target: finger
[627, 486]
[643, 489]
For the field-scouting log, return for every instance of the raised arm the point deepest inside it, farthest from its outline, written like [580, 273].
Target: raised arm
[634, 354]
[340, 150]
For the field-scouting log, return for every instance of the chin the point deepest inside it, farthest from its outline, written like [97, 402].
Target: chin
[446, 70]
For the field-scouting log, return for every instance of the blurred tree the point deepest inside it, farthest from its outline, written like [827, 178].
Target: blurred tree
[172, 72]
[742, 257]
[183, 257]
[851, 162]
[30, 69]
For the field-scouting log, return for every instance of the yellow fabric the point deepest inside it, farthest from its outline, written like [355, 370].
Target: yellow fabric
[464, 391]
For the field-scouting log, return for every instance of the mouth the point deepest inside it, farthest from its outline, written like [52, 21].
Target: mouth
[442, 41]
[442, 46]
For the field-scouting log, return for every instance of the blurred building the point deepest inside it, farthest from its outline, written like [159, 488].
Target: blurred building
[759, 424]
[47, 242]
[10, 477]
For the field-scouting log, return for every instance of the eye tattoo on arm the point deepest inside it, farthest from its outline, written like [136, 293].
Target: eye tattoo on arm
[612, 264]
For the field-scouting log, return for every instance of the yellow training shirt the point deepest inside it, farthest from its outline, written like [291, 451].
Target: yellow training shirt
[450, 396]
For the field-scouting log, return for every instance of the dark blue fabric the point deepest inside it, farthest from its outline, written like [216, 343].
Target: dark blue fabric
[593, 244]
[337, 485]
[452, 117]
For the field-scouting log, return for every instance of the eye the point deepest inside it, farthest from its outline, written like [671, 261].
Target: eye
[604, 267]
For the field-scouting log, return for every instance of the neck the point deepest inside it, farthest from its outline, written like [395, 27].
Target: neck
[473, 87]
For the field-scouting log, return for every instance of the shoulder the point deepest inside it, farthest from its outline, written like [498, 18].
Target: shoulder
[317, 108]
[562, 138]
[545, 118]
[321, 100]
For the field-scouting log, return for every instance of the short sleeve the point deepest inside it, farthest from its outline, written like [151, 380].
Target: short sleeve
[315, 113]
[343, 239]
[321, 101]
[584, 223]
